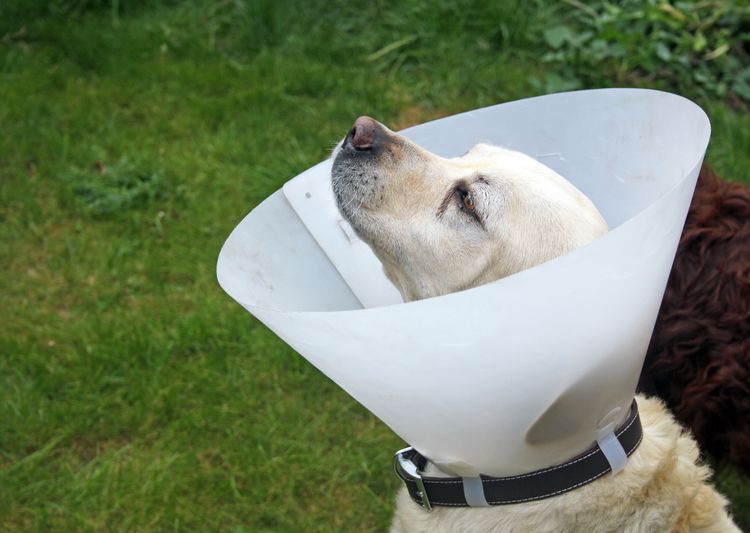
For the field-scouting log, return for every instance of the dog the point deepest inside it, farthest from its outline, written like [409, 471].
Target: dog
[699, 357]
[442, 225]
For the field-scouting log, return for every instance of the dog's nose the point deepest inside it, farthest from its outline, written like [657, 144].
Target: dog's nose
[364, 134]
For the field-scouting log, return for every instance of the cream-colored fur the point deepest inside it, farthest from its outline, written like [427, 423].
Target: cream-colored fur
[411, 207]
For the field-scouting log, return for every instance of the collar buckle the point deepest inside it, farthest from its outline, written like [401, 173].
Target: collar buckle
[408, 471]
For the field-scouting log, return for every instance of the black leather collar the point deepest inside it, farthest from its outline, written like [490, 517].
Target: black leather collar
[581, 470]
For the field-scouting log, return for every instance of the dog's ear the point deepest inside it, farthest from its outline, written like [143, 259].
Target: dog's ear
[480, 150]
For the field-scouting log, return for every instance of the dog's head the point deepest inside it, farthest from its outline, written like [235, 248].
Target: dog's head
[441, 225]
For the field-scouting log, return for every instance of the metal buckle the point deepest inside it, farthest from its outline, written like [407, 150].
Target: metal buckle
[405, 468]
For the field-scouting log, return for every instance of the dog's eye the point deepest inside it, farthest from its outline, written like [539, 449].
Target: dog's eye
[467, 204]
[468, 200]
[464, 201]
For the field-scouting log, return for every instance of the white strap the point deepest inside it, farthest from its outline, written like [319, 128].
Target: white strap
[613, 451]
[474, 492]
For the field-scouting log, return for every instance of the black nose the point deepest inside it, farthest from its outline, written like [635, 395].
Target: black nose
[365, 134]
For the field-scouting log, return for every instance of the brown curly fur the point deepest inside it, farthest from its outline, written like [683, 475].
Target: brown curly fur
[699, 357]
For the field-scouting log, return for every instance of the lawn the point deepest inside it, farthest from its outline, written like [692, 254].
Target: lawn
[134, 394]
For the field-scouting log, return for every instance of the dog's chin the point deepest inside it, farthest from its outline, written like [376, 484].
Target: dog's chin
[355, 191]
[362, 222]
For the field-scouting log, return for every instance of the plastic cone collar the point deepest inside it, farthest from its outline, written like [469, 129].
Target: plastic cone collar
[518, 374]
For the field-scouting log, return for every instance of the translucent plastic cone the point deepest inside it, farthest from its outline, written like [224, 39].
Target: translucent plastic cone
[518, 374]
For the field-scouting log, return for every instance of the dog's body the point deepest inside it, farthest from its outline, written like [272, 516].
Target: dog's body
[662, 489]
[441, 225]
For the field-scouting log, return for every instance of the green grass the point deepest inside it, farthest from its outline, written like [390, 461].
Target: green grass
[134, 394]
